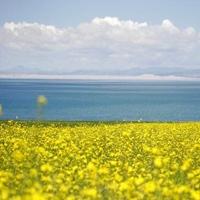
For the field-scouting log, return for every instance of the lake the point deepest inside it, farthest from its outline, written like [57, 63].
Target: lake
[101, 100]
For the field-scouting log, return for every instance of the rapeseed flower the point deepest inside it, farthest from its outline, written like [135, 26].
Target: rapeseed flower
[99, 161]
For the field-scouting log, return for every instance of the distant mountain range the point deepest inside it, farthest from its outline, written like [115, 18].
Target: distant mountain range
[195, 73]
[138, 71]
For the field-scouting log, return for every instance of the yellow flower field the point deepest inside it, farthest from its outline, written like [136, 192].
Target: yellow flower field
[99, 160]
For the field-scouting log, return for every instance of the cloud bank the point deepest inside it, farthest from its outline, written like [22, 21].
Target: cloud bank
[103, 46]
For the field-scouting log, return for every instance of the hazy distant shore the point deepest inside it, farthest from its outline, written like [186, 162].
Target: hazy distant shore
[144, 77]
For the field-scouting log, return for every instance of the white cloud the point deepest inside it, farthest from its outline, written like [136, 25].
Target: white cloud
[169, 26]
[104, 44]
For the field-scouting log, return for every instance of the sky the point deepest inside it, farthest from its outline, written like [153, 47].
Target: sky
[124, 37]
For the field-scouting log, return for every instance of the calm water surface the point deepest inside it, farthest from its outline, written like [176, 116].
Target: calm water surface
[101, 100]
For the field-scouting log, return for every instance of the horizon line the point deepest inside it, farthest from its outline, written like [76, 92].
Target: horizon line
[143, 77]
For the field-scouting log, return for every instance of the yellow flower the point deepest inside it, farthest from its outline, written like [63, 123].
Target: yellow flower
[139, 181]
[42, 100]
[113, 163]
[118, 177]
[4, 194]
[126, 185]
[155, 151]
[41, 150]
[166, 191]
[33, 172]
[90, 192]
[186, 165]
[195, 194]
[18, 156]
[70, 197]
[35, 196]
[46, 168]
[126, 133]
[158, 162]
[96, 161]
[150, 187]
[103, 170]
[91, 166]
[64, 188]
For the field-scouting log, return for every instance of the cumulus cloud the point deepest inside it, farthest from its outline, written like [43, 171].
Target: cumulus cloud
[103, 45]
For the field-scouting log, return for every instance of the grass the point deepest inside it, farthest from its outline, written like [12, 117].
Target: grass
[99, 160]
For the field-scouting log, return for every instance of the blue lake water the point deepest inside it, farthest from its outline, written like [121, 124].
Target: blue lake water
[101, 100]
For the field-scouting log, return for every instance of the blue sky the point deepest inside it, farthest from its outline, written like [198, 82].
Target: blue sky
[123, 37]
[72, 12]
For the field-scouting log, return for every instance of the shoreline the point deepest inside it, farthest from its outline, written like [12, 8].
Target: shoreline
[93, 121]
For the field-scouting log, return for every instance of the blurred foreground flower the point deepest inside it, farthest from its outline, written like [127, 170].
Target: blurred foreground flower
[1, 110]
[41, 102]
